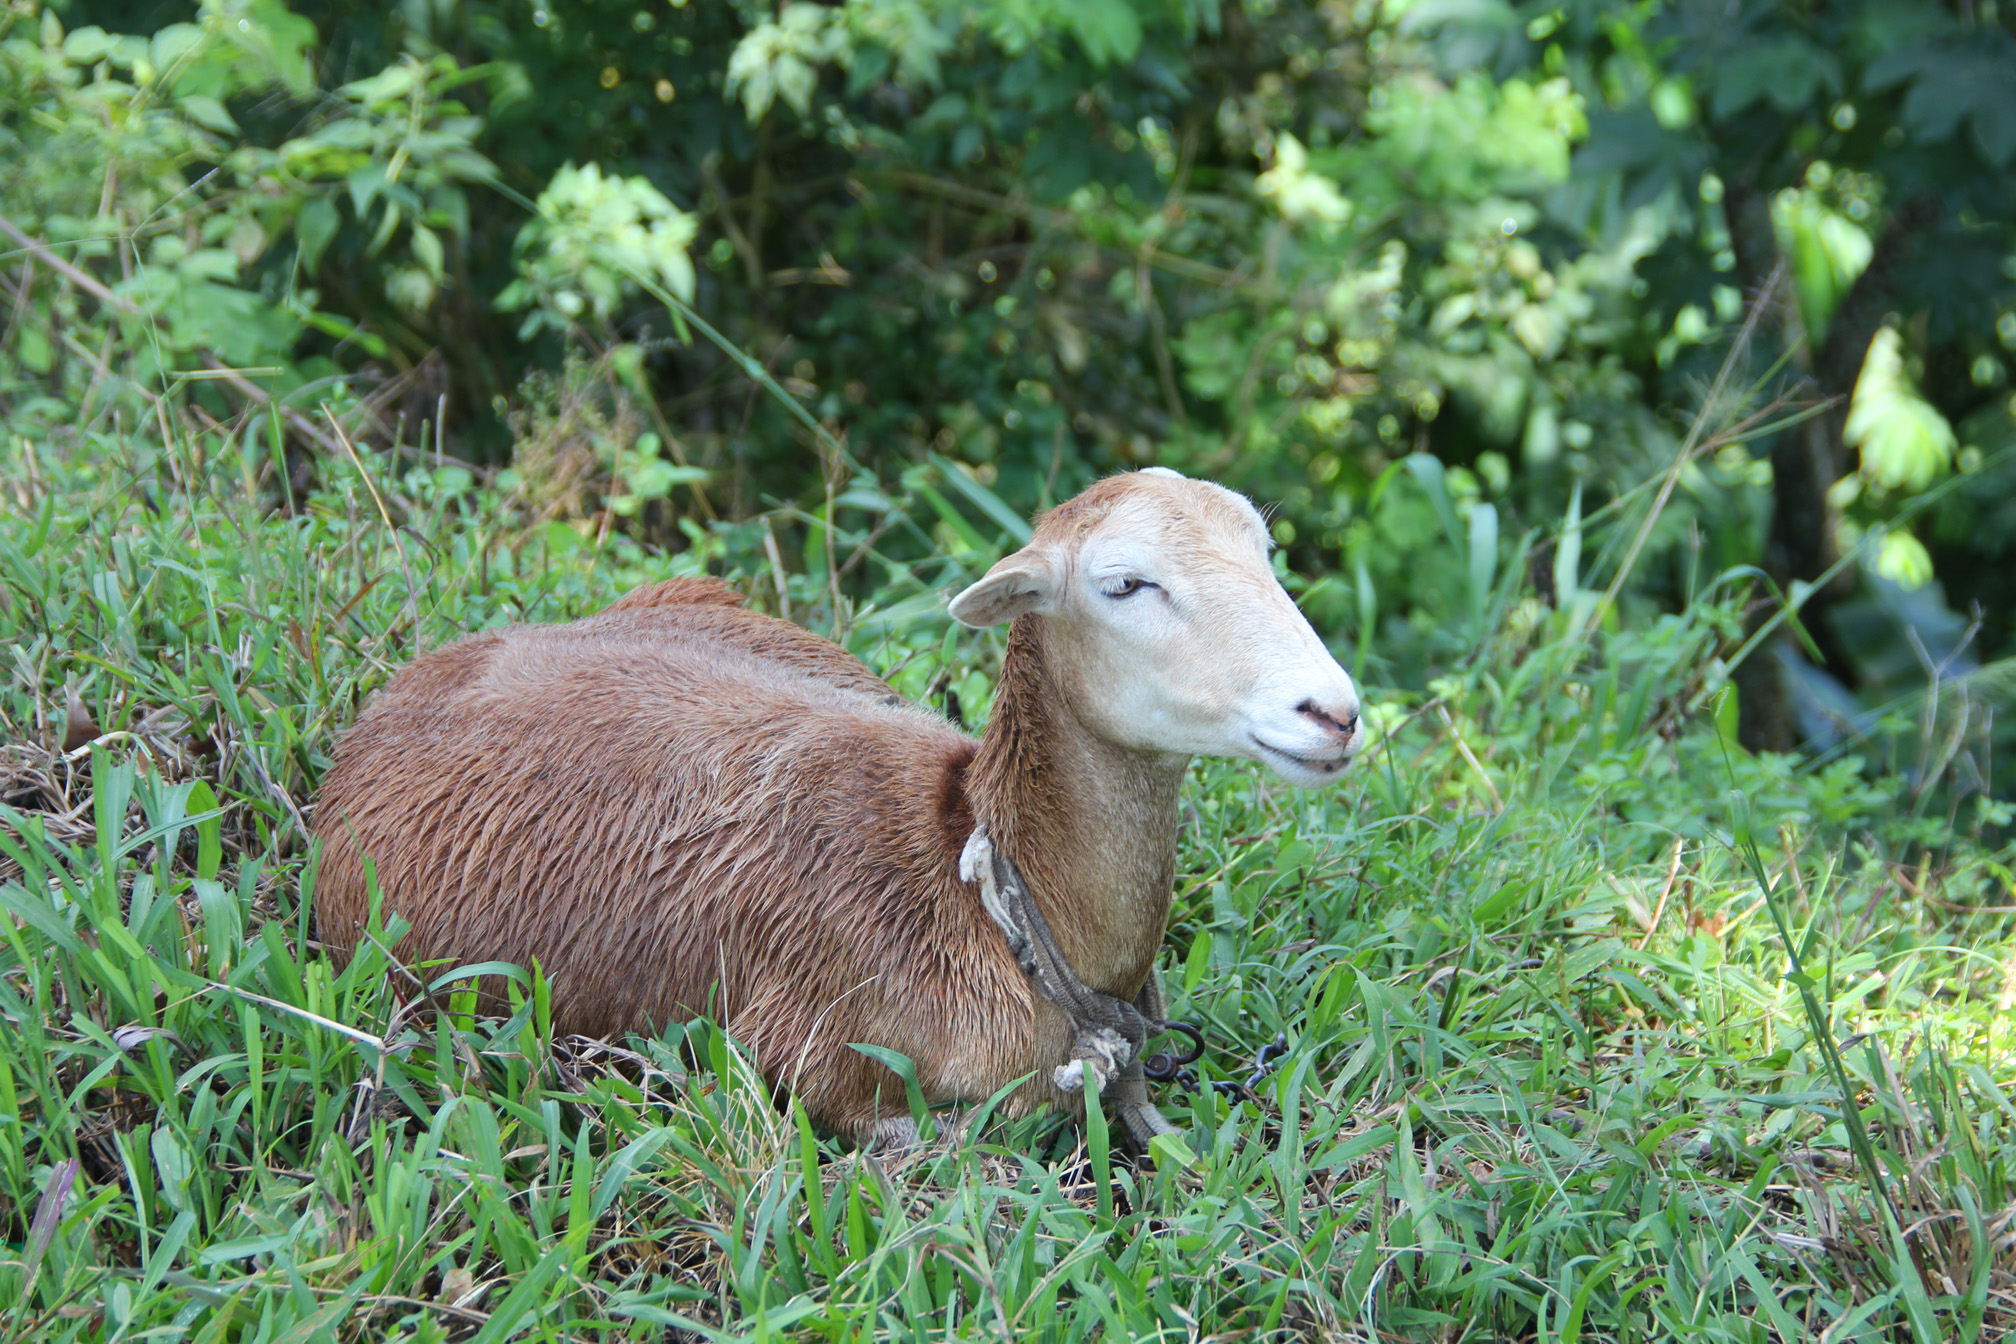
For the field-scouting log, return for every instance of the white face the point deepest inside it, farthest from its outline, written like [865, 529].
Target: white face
[1170, 633]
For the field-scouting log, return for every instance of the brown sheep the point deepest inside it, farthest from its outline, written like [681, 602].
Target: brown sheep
[680, 806]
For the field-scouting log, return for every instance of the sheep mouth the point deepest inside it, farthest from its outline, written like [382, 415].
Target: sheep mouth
[1322, 765]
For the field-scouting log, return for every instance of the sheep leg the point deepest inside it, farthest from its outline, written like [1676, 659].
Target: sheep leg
[1130, 1088]
[893, 1135]
[1129, 1095]
[896, 1135]
[1152, 1002]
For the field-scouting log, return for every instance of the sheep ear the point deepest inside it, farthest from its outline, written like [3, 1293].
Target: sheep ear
[1018, 585]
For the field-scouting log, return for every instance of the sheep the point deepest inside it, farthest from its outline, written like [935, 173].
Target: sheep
[680, 806]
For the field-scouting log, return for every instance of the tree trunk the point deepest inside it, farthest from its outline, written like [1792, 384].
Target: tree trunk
[1807, 460]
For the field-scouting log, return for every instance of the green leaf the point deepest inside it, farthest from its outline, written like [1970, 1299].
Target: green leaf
[1568, 550]
[365, 183]
[1170, 1150]
[210, 832]
[391, 83]
[899, 1064]
[223, 924]
[171, 43]
[1483, 558]
[280, 41]
[1108, 30]
[207, 112]
[1954, 77]
[172, 1160]
[1428, 471]
[1903, 559]
[244, 1248]
[427, 250]
[345, 330]
[1788, 72]
[466, 974]
[1905, 443]
[984, 499]
[87, 46]
[1994, 123]
[505, 1322]
[625, 1165]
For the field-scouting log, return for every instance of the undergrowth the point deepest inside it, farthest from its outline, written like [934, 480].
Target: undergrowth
[1550, 1071]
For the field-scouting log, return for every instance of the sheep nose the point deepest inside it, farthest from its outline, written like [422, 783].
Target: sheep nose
[1343, 722]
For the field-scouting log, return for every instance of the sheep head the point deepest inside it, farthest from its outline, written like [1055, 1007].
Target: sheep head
[1166, 631]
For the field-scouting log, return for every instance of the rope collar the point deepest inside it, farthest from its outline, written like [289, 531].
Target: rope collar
[1109, 1031]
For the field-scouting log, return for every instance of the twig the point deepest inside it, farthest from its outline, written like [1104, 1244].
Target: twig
[776, 568]
[394, 1300]
[1672, 874]
[1695, 433]
[361, 1037]
[398, 543]
[108, 739]
[1061, 220]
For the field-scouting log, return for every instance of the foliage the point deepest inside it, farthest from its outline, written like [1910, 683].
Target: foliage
[1905, 443]
[590, 236]
[1284, 247]
[1518, 316]
[1863, 147]
[780, 58]
[221, 266]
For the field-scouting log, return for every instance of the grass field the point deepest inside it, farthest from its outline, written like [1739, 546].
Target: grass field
[1550, 1072]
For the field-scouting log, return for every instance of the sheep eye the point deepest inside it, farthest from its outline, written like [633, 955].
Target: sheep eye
[1126, 587]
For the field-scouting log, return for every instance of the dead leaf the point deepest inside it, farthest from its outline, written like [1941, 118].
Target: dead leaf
[1712, 925]
[79, 729]
[134, 1035]
[457, 1284]
[49, 1212]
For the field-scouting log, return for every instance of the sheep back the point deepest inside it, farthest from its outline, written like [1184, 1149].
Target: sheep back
[681, 806]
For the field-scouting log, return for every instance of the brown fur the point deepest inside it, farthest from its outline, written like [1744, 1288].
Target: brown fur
[680, 806]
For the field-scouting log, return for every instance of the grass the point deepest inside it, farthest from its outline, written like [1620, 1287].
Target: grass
[1546, 1074]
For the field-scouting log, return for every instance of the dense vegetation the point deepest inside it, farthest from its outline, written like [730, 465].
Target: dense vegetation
[1629, 383]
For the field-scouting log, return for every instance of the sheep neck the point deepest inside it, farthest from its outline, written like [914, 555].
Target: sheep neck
[1092, 825]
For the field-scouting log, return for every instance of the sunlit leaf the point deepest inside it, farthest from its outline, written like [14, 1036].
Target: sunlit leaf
[1905, 442]
[1903, 559]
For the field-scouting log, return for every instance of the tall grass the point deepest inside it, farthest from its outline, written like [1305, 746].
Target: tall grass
[1546, 1075]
